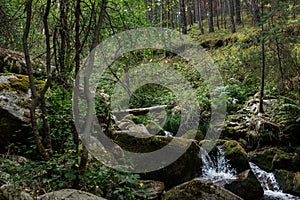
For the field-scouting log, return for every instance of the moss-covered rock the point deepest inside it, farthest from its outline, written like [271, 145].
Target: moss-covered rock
[288, 181]
[198, 189]
[271, 158]
[180, 170]
[15, 101]
[263, 158]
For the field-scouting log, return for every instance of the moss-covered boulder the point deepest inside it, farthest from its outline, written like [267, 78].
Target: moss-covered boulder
[271, 158]
[161, 151]
[288, 181]
[198, 189]
[10, 191]
[15, 101]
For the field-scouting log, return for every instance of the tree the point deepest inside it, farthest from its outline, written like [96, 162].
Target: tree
[183, 20]
[210, 16]
[238, 12]
[231, 13]
[255, 12]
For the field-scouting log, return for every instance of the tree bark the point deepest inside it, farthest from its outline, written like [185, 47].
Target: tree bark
[262, 83]
[183, 17]
[255, 12]
[238, 12]
[231, 13]
[210, 16]
[200, 16]
[35, 97]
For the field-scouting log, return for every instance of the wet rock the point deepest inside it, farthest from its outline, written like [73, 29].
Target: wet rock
[248, 188]
[69, 194]
[288, 181]
[199, 189]
[271, 158]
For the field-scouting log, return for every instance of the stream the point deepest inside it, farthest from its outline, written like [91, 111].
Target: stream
[218, 170]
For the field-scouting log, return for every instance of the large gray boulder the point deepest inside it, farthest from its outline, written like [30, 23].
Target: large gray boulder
[199, 189]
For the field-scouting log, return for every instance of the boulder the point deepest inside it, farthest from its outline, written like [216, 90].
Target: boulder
[248, 188]
[271, 158]
[11, 192]
[288, 181]
[69, 194]
[185, 168]
[199, 189]
[15, 100]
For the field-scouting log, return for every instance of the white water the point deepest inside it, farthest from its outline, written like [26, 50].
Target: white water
[271, 188]
[217, 169]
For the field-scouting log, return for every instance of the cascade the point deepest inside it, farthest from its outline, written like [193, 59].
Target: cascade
[271, 188]
[216, 168]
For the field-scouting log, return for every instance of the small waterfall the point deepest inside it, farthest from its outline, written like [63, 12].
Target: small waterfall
[217, 169]
[271, 188]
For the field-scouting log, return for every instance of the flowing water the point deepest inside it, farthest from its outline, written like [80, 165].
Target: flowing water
[271, 188]
[218, 170]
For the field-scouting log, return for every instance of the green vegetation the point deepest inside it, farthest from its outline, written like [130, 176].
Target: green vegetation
[260, 57]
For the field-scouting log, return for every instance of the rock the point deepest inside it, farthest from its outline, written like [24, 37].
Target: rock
[263, 158]
[288, 181]
[11, 192]
[271, 158]
[15, 100]
[185, 168]
[14, 62]
[198, 189]
[69, 194]
[248, 188]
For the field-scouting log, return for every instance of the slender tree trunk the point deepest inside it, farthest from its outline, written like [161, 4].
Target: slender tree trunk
[238, 12]
[262, 84]
[224, 14]
[255, 12]
[210, 16]
[35, 97]
[217, 13]
[231, 13]
[76, 89]
[200, 16]
[49, 80]
[183, 17]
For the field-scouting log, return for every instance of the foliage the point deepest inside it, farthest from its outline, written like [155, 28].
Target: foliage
[289, 111]
[58, 173]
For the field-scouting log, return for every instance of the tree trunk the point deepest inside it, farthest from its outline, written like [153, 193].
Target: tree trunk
[255, 12]
[231, 13]
[238, 12]
[210, 16]
[200, 16]
[183, 17]
[262, 84]
[35, 97]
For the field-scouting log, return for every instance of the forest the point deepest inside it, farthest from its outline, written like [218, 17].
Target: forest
[149, 99]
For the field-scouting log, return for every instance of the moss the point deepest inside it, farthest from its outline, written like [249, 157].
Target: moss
[20, 83]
